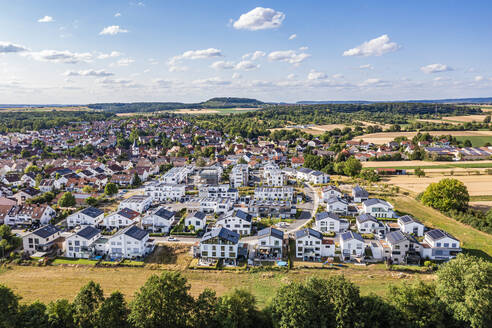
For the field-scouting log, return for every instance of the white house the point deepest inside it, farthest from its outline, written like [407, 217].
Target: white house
[88, 216]
[122, 218]
[239, 175]
[237, 221]
[308, 244]
[378, 208]
[274, 193]
[164, 191]
[337, 205]
[222, 190]
[351, 245]
[217, 205]
[26, 214]
[410, 225]
[403, 247]
[329, 192]
[439, 245]
[197, 219]
[330, 222]
[315, 177]
[328, 247]
[273, 176]
[40, 240]
[81, 243]
[159, 220]
[220, 243]
[359, 194]
[367, 223]
[176, 175]
[138, 203]
[130, 242]
[270, 244]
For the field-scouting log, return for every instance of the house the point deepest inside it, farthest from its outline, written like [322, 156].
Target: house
[296, 162]
[359, 194]
[47, 185]
[308, 244]
[237, 221]
[315, 177]
[117, 220]
[41, 240]
[219, 243]
[274, 193]
[330, 222]
[81, 244]
[138, 203]
[159, 220]
[27, 214]
[29, 179]
[330, 191]
[164, 191]
[88, 216]
[403, 247]
[270, 244]
[239, 175]
[272, 208]
[328, 247]
[176, 175]
[337, 205]
[378, 208]
[410, 225]
[218, 205]
[222, 190]
[439, 245]
[273, 175]
[198, 220]
[27, 193]
[130, 242]
[367, 223]
[351, 245]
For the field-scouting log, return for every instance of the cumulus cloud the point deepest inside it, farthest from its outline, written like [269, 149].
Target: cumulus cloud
[315, 75]
[46, 19]
[259, 19]
[293, 36]
[117, 83]
[89, 72]
[117, 15]
[375, 47]
[174, 62]
[223, 65]
[479, 78]
[112, 30]
[435, 68]
[56, 56]
[125, 62]
[246, 65]
[112, 54]
[366, 66]
[254, 55]
[211, 82]
[162, 83]
[288, 56]
[9, 47]
[236, 76]
[373, 82]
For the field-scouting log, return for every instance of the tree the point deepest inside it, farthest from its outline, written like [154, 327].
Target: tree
[200, 162]
[468, 143]
[67, 200]
[136, 180]
[486, 119]
[352, 167]
[204, 312]
[370, 175]
[113, 312]
[33, 316]
[61, 314]
[32, 168]
[375, 312]
[9, 303]
[419, 172]
[238, 310]
[91, 201]
[86, 305]
[110, 189]
[464, 285]
[446, 195]
[162, 302]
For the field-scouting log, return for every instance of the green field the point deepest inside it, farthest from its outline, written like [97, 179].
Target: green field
[477, 141]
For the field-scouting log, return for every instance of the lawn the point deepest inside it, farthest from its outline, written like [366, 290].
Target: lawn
[63, 260]
[477, 141]
[473, 241]
[54, 282]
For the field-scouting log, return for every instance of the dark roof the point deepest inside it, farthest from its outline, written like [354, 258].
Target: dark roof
[305, 170]
[351, 235]
[164, 213]
[63, 171]
[199, 215]
[366, 217]
[31, 191]
[128, 213]
[135, 232]
[324, 215]
[374, 201]
[395, 237]
[334, 199]
[88, 232]
[222, 233]
[92, 212]
[408, 219]
[271, 232]
[310, 232]
[438, 234]
[360, 192]
[243, 215]
[46, 231]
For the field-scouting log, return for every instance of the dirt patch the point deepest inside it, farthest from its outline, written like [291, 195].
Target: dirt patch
[466, 118]
[384, 137]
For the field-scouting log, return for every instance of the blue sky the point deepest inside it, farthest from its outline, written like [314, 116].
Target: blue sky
[150, 50]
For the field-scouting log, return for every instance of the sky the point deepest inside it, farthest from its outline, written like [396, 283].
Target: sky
[78, 52]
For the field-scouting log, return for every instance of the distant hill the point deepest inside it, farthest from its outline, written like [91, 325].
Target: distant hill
[487, 100]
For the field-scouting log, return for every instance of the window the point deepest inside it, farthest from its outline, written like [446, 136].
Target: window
[454, 245]
[446, 244]
[438, 244]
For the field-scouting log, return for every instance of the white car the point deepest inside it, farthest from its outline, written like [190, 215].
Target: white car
[172, 239]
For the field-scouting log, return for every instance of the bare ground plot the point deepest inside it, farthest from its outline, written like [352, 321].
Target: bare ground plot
[384, 137]
[54, 282]
[315, 129]
[419, 163]
[477, 184]
[465, 118]
[482, 205]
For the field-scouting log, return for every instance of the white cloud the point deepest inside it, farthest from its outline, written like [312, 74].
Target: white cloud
[246, 65]
[293, 36]
[337, 76]
[162, 83]
[117, 83]
[259, 19]
[56, 56]
[288, 56]
[236, 76]
[255, 55]
[223, 65]
[315, 75]
[125, 61]
[89, 72]
[112, 30]
[373, 82]
[435, 68]
[291, 76]
[177, 68]
[117, 15]
[479, 78]
[112, 54]
[366, 66]
[211, 82]
[303, 48]
[375, 47]
[8, 47]
[46, 19]
[174, 62]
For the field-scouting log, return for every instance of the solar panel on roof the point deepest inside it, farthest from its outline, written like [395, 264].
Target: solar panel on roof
[436, 234]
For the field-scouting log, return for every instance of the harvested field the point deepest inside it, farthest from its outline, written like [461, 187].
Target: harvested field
[384, 137]
[465, 118]
[47, 109]
[482, 205]
[315, 129]
[424, 163]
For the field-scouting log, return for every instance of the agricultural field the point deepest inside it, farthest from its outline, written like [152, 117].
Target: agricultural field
[477, 141]
[465, 118]
[47, 109]
[429, 164]
[486, 108]
[214, 110]
[314, 129]
[384, 137]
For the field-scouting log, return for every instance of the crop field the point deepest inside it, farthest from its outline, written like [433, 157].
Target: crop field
[215, 110]
[428, 164]
[486, 108]
[465, 118]
[314, 129]
[47, 109]
[477, 141]
[384, 137]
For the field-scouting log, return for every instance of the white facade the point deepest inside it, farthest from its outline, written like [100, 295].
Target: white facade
[308, 244]
[220, 243]
[197, 219]
[274, 193]
[40, 239]
[337, 205]
[327, 222]
[165, 192]
[239, 175]
[159, 220]
[329, 192]
[88, 216]
[378, 208]
[351, 245]
[138, 203]
[81, 243]
[238, 222]
[410, 225]
[222, 190]
[119, 219]
[216, 205]
[176, 175]
[129, 243]
[273, 176]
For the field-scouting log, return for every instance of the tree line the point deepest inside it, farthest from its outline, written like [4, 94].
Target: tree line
[461, 296]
